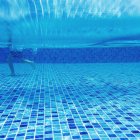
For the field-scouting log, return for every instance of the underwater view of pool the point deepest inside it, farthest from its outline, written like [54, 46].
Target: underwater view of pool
[69, 70]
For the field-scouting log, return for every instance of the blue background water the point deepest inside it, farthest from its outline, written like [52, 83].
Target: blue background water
[70, 24]
[90, 31]
[83, 100]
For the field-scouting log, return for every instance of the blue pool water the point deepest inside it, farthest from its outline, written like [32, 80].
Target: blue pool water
[86, 80]
[69, 23]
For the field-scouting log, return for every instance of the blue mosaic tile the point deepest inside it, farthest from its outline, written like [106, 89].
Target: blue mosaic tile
[71, 101]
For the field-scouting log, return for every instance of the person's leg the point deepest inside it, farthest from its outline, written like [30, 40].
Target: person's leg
[11, 66]
[29, 62]
[19, 55]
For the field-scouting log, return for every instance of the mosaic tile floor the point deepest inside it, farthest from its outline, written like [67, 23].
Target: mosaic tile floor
[70, 101]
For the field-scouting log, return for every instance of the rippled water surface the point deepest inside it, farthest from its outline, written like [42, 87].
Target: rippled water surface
[70, 23]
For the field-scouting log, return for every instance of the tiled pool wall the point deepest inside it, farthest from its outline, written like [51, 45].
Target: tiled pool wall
[76, 55]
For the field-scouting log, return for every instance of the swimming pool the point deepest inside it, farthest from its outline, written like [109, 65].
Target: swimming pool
[84, 83]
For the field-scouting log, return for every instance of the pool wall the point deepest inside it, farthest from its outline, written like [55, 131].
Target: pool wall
[76, 55]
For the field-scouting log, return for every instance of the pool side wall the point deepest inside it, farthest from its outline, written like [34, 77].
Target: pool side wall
[76, 55]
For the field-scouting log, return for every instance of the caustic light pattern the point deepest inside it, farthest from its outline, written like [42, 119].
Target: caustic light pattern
[71, 8]
[68, 23]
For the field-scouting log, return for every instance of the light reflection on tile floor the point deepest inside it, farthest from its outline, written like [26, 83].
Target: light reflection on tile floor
[70, 101]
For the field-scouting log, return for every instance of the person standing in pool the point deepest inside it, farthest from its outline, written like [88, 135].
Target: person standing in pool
[15, 53]
[7, 10]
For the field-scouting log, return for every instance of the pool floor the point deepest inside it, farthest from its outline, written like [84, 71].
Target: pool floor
[70, 101]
